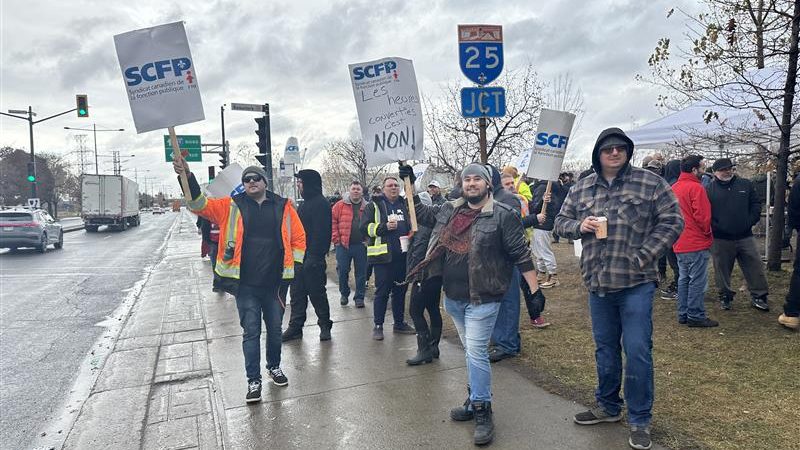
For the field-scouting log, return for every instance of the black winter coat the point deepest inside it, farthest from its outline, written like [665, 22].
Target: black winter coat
[735, 208]
[315, 213]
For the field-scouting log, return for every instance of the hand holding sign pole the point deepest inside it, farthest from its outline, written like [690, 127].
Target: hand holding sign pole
[390, 115]
[160, 81]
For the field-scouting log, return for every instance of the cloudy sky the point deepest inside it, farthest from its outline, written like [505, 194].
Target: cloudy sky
[294, 55]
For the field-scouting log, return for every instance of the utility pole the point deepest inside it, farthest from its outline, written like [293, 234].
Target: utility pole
[222, 126]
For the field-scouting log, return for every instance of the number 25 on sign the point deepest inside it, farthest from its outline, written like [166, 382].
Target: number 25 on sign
[480, 52]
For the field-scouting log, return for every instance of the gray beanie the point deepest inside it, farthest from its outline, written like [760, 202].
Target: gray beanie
[256, 170]
[479, 170]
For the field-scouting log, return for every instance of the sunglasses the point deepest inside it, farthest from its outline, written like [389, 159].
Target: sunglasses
[252, 178]
[610, 150]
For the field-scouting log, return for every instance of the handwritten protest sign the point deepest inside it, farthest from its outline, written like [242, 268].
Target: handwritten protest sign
[160, 77]
[389, 112]
[551, 144]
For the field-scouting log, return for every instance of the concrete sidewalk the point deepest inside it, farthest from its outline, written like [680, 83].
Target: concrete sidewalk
[175, 379]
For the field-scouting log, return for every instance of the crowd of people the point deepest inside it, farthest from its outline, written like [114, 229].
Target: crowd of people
[487, 244]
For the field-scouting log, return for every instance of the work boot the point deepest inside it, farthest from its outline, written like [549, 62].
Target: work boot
[325, 332]
[484, 425]
[789, 321]
[464, 412]
[725, 300]
[759, 302]
[291, 334]
[436, 335]
[424, 354]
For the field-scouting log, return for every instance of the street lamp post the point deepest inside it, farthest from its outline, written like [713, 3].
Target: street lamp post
[94, 131]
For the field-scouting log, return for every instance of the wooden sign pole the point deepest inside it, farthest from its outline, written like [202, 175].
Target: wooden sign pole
[176, 155]
[546, 192]
[412, 212]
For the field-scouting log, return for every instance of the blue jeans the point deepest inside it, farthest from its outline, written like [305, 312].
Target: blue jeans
[475, 324]
[506, 329]
[624, 316]
[357, 253]
[253, 302]
[693, 269]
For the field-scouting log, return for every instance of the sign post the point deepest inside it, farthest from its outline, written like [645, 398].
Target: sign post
[480, 55]
[160, 81]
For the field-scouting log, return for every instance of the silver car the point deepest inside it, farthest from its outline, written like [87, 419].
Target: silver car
[29, 228]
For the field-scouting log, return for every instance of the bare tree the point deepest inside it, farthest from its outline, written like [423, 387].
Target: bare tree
[345, 161]
[244, 154]
[740, 56]
[564, 95]
[452, 140]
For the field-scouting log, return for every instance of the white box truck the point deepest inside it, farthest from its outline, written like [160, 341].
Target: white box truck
[111, 200]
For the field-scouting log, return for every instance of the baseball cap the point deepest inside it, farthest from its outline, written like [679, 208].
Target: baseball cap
[434, 183]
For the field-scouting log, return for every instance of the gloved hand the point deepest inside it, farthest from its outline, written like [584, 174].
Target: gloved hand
[535, 298]
[407, 171]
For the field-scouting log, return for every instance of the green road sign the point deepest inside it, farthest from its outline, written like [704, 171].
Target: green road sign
[190, 147]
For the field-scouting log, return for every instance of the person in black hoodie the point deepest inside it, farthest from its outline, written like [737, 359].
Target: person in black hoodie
[791, 309]
[735, 209]
[309, 281]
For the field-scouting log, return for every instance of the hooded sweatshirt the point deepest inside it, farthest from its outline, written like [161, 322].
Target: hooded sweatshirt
[644, 220]
[315, 213]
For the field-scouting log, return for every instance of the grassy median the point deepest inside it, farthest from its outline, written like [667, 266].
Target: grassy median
[731, 387]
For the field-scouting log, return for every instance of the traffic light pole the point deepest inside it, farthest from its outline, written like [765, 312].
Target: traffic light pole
[224, 146]
[31, 123]
[268, 156]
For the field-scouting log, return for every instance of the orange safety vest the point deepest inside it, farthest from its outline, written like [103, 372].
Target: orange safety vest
[225, 212]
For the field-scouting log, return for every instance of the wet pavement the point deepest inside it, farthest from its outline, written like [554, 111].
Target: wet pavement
[175, 379]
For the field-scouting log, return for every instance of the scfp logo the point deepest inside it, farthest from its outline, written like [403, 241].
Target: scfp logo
[374, 70]
[551, 140]
[157, 70]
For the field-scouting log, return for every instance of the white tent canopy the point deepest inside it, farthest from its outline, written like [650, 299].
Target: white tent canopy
[737, 107]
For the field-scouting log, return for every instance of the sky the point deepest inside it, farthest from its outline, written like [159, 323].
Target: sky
[294, 56]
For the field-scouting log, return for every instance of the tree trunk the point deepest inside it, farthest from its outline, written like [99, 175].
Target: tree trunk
[760, 35]
[776, 233]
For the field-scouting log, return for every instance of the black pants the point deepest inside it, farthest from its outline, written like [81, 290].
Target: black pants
[535, 307]
[309, 283]
[425, 297]
[669, 257]
[386, 278]
[792, 306]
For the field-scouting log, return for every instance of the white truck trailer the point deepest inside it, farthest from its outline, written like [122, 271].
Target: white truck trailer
[111, 200]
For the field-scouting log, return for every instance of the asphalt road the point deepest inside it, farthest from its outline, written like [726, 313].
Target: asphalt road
[54, 312]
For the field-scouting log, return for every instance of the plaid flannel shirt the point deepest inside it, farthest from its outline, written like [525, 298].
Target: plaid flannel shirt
[644, 220]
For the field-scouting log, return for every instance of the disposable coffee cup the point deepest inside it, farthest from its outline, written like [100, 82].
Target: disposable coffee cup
[392, 217]
[602, 230]
[404, 240]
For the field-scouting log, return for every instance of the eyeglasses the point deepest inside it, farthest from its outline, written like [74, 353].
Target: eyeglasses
[610, 150]
[252, 178]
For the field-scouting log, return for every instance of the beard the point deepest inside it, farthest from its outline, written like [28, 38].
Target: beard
[476, 198]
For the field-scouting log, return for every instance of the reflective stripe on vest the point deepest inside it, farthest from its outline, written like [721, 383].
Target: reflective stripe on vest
[225, 266]
[198, 203]
[377, 248]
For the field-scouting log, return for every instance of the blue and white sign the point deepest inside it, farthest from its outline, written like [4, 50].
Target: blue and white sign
[483, 102]
[550, 145]
[160, 77]
[480, 52]
[291, 155]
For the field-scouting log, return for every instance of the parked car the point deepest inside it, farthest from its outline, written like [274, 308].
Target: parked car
[29, 228]
[158, 210]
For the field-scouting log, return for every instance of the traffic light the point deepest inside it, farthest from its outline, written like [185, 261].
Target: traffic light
[223, 159]
[262, 134]
[82, 103]
[210, 173]
[31, 172]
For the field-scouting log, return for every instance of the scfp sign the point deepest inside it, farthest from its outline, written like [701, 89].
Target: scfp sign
[480, 52]
[483, 102]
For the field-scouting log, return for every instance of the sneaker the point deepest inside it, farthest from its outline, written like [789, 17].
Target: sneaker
[640, 438]
[404, 328]
[377, 333]
[552, 281]
[594, 416]
[760, 303]
[669, 294]
[344, 300]
[325, 333]
[253, 392]
[278, 376]
[725, 301]
[705, 323]
[359, 303]
[496, 355]
[539, 322]
[789, 322]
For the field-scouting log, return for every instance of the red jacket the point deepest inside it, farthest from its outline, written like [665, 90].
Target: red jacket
[342, 220]
[696, 212]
